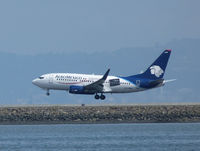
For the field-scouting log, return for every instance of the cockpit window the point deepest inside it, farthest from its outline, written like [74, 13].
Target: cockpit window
[41, 77]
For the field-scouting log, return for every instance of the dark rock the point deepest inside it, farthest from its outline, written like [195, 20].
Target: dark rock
[99, 114]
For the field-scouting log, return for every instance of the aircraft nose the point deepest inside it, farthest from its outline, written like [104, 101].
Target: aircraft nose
[35, 81]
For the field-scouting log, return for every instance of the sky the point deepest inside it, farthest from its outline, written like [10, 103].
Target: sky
[33, 27]
[37, 36]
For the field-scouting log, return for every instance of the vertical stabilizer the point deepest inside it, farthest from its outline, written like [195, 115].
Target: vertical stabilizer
[157, 69]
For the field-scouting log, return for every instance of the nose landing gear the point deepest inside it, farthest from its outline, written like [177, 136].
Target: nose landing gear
[47, 92]
[102, 97]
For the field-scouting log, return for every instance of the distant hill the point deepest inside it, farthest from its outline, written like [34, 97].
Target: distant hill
[17, 72]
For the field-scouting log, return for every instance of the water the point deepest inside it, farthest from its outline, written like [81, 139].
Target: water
[101, 137]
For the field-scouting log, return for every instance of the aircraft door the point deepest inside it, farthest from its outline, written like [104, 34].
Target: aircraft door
[138, 83]
[51, 79]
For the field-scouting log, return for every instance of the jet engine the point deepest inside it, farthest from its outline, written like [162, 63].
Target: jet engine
[75, 89]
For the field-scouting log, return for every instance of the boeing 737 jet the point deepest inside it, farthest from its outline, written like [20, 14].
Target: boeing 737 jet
[98, 85]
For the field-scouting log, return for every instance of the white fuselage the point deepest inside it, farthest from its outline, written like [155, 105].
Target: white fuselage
[99, 84]
[63, 81]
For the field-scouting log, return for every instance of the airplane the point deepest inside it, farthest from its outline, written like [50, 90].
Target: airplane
[102, 84]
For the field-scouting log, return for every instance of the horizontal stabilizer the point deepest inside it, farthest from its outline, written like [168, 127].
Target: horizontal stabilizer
[171, 80]
[156, 82]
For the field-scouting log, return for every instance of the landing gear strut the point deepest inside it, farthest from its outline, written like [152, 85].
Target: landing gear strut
[47, 92]
[102, 97]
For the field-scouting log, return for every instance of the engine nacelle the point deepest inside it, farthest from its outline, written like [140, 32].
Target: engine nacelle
[75, 89]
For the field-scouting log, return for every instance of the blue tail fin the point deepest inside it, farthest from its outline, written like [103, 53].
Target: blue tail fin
[157, 69]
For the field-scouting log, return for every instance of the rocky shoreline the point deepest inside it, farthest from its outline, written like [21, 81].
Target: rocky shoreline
[99, 114]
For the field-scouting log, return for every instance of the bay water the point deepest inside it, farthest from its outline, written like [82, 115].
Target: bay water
[101, 137]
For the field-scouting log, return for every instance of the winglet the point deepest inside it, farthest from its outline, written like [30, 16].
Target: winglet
[106, 75]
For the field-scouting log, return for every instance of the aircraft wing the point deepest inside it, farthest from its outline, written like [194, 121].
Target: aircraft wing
[97, 85]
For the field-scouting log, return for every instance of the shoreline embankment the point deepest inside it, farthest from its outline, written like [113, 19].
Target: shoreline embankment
[89, 114]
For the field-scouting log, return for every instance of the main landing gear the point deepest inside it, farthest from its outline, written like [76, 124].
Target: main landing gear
[102, 97]
[47, 92]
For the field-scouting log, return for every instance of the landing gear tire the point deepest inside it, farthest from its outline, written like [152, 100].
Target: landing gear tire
[97, 96]
[102, 97]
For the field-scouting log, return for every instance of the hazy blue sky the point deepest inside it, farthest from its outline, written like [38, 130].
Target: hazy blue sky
[90, 25]
[88, 36]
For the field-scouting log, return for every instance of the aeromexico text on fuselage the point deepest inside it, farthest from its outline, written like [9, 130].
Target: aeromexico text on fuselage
[100, 84]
